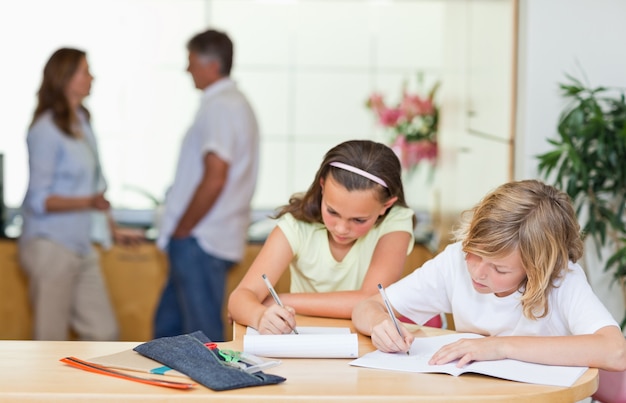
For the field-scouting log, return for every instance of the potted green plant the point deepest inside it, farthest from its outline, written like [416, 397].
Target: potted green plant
[589, 163]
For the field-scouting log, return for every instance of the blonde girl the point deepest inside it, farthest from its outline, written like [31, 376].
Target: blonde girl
[513, 276]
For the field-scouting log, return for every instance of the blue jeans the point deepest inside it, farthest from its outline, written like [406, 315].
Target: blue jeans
[194, 294]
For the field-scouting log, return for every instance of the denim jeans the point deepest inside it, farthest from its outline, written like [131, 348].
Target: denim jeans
[194, 293]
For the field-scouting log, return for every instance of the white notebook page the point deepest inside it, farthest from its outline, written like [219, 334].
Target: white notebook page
[311, 342]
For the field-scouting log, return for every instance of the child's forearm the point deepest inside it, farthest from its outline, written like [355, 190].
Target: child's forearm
[367, 314]
[244, 308]
[605, 349]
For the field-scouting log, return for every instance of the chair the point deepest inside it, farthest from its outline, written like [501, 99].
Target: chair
[436, 321]
[612, 387]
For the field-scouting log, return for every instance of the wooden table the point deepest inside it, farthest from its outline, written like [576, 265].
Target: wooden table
[30, 371]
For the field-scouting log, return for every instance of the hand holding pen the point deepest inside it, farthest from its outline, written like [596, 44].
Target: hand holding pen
[276, 299]
[394, 320]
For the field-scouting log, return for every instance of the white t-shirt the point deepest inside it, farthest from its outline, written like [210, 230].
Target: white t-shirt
[226, 125]
[313, 267]
[443, 284]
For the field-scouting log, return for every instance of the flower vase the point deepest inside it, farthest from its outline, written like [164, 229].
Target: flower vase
[412, 153]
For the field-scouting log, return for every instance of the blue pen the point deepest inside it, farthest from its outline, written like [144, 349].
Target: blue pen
[389, 310]
[276, 299]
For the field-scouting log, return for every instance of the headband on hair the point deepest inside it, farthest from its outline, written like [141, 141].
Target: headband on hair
[358, 171]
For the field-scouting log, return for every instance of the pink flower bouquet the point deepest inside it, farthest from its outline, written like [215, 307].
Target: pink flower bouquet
[414, 125]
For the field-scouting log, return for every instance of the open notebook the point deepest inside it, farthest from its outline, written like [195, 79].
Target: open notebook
[311, 342]
[424, 347]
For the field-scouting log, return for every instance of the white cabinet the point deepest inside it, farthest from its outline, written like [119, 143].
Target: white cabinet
[477, 124]
[490, 67]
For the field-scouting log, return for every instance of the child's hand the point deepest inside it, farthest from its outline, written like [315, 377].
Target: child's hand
[277, 320]
[385, 337]
[468, 350]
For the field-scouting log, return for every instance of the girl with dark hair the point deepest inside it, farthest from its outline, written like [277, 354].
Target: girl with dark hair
[350, 231]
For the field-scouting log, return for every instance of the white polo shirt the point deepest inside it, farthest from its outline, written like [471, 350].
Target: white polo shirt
[226, 125]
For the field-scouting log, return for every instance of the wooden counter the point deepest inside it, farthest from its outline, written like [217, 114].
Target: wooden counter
[135, 277]
[30, 371]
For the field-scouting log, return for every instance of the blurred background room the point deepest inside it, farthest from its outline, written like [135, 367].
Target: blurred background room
[309, 67]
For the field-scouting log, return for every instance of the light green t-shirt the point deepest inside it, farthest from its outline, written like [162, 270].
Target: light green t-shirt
[314, 269]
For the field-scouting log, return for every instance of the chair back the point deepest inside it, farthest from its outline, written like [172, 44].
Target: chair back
[612, 387]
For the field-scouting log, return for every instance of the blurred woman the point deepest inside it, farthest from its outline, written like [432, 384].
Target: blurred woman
[66, 186]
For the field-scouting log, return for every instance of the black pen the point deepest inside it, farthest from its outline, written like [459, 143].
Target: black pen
[389, 310]
[276, 299]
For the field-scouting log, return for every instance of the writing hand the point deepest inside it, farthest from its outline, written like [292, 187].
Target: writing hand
[468, 350]
[385, 337]
[277, 320]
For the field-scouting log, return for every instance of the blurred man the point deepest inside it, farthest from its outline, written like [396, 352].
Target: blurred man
[207, 209]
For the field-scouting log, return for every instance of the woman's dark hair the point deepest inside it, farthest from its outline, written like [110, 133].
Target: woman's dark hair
[57, 73]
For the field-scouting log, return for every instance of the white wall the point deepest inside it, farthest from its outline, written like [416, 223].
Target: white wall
[307, 67]
[582, 38]
[559, 37]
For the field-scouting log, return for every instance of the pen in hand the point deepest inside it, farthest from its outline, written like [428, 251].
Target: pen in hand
[389, 310]
[276, 299]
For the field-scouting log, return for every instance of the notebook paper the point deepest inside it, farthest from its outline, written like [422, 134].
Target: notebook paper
[312, 342]
[424, 347]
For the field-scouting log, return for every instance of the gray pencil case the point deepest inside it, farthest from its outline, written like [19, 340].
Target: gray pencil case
[188, 354]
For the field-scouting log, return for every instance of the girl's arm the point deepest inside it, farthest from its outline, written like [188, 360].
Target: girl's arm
[605, 349]
[386, 267]
[245, 304]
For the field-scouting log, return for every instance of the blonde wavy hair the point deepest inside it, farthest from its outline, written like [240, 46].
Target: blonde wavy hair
[536, 219]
